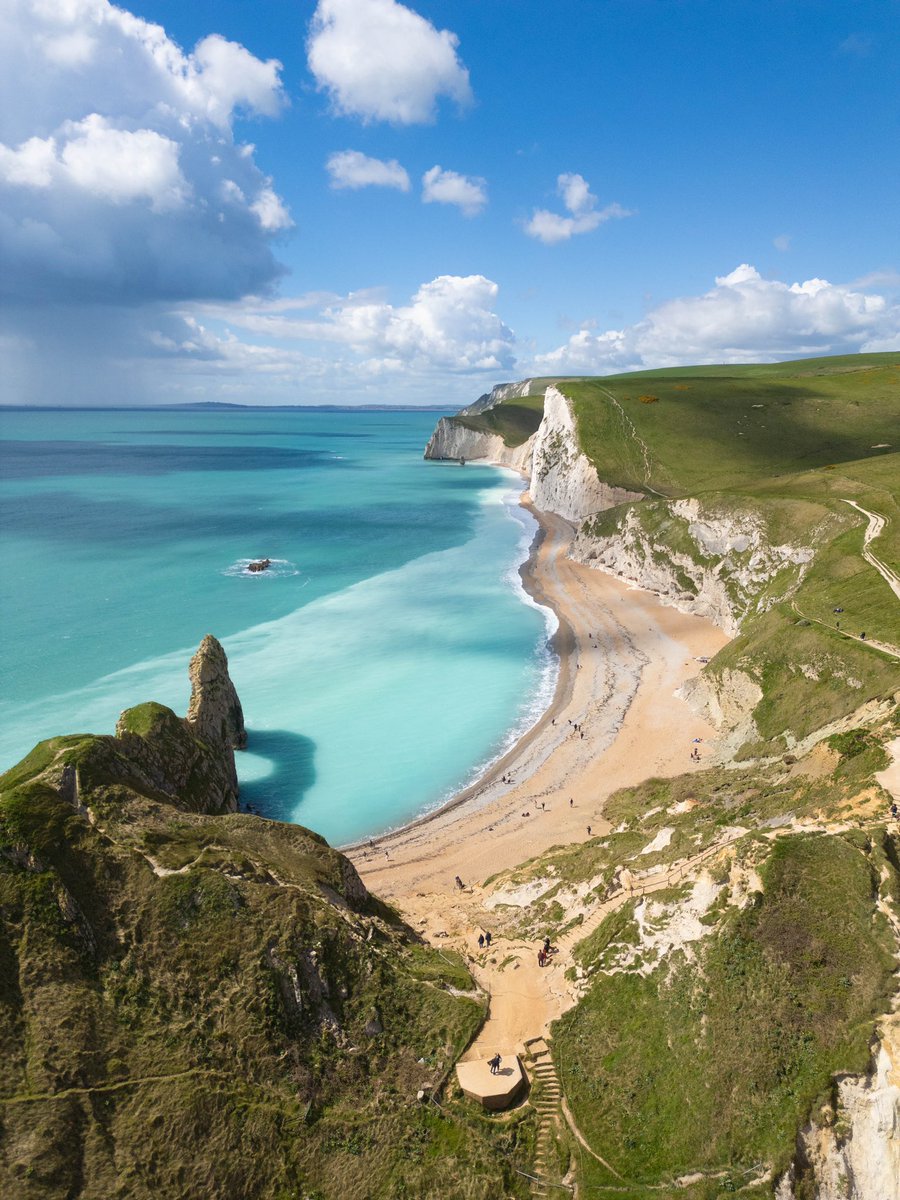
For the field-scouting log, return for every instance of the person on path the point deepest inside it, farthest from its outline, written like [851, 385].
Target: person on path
[589, 830]
[571, 802]
[459, 883]
[546, 947]
[494, 1064]
[481, 941]
[541, 958]
[487, 939]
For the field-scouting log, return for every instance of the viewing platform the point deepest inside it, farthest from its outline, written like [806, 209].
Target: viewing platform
[494, 1092]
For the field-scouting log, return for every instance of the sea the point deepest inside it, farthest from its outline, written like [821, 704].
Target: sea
[386, 658]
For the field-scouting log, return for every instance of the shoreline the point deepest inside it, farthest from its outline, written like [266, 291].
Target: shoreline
[613, 720]
[561, 643]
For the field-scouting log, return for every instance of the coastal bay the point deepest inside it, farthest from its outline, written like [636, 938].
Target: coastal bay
[614, 720]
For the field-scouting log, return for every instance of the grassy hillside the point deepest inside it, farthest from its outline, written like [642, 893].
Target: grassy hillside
[714, 428]
[514, 420]
[213, 1005]
[716, 1012]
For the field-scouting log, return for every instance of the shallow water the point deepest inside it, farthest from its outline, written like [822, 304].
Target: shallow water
[384, 659]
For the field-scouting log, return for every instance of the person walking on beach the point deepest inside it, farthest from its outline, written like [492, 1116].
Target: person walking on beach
[589, 830]
[541, 958]
[546, 947]
[487, 939]
[481, 941]
[459, 883]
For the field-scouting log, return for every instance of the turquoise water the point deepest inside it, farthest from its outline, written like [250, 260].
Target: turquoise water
[389, 655]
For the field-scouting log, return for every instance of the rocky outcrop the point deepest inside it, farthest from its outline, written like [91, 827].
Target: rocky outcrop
[214, 714]
[155, 754]
[853, 1151]
[453, 440]
[707, 558]
[563, 478]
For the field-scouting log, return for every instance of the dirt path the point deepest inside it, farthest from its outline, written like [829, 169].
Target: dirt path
[873, 530]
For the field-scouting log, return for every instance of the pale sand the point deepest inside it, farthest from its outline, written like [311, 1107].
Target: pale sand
[618, 685]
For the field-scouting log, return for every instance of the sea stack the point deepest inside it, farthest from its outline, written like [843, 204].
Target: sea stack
[214, 714]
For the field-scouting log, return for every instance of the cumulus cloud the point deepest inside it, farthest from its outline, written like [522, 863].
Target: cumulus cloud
[450, 324]
[447, 340]
[381, 61]
[467, 192]
[744, 318]
[120, 178]
[580, 203]
[352, 169]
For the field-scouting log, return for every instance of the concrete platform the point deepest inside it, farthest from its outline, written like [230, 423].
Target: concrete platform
[492, 1091]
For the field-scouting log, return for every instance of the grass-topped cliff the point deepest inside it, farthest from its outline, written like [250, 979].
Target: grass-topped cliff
[200, 1002]
[748, 475]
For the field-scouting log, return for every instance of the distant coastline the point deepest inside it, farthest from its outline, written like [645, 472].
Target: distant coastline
[221, 406]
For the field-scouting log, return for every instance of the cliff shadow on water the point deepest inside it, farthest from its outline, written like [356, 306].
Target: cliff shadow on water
[293, 773]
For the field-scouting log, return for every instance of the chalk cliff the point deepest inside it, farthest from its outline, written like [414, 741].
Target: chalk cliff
[852, 1151]
[453, 440]
[563, 478]
[710, 557]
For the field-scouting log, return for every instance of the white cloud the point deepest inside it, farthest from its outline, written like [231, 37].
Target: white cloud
[581, 204]
[467, 192]
[120, 180]
[448, 325]
[381, 61]
[744, 318]
[782, 242]
[270, 210]
[114, 164]
[352, 169]
[447, 341]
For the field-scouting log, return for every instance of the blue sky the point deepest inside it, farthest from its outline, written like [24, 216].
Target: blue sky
[514, 188]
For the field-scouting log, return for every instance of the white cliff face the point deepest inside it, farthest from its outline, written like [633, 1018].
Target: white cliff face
[855, 1154]
[720, 563]
[452, 440]
[563, 478]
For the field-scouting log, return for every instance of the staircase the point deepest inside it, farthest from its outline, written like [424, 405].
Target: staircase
[546, 1097]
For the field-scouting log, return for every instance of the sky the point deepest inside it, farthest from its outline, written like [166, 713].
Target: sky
[364, 201]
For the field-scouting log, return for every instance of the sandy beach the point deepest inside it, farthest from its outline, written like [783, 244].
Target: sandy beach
[614, 720]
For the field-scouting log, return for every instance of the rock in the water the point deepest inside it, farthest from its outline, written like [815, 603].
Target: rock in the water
[214, 713]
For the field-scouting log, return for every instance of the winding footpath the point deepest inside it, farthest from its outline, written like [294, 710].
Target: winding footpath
[873, 530]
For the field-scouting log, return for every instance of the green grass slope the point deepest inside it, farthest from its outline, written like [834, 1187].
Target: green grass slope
[213, 1005]
[514, 420]
[715, 428]
[716, 1014]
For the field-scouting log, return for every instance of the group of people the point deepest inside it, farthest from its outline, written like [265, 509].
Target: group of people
[484, 940]
[545, 952]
